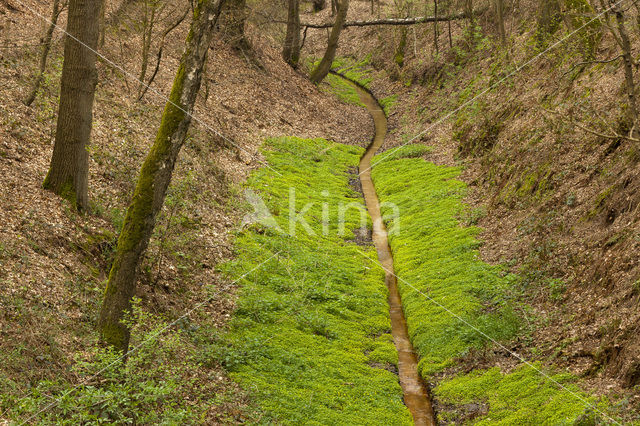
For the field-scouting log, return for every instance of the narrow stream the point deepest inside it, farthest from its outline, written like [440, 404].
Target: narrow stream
[416, 396]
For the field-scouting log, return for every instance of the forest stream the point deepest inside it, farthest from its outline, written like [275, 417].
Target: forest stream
[416, 396]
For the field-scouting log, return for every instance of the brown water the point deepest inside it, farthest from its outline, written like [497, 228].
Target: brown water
[416, 396]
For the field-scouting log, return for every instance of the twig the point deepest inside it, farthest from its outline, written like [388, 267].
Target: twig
[592, 131]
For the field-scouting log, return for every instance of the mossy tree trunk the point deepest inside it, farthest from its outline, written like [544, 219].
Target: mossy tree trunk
[548, 21]
[69, 171]
[398, 56]
[323, 68]
[291, 49]
[154, 179]
[579, 16]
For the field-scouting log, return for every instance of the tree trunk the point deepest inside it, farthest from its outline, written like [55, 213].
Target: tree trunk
[148, 24]
[500, 20]
[69, 172]
[435, 27]
[234, 16]
[291, 49]
[154, 179]
[468, 11]
[398, 57]
[323, 68]
[549, 19]
[318, 5]
[628, 67]
[44, 55]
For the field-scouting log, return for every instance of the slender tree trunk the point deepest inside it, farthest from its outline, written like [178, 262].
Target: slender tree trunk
[628, 67]
[468, 10]
[500, 18]
[291, 49]
[117, 15]
[323, 68]
[69, 172]
[398, 57]
[44, 55]
[435, 27]
[234, 19]
[154, 179]
[148, 25]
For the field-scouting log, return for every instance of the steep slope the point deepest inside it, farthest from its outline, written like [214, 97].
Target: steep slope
[53, 261]
[556, 203]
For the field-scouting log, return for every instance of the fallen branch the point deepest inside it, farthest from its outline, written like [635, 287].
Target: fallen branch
[394, 21]
[388, 21]
[594, 132]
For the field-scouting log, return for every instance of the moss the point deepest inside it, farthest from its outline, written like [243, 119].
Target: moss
[342, 89]
[388, 103]
[453, 301]
[600, 202]
[579, 13]
[65, 191]
[435, 256]
[398, 56]
[405, 151]
[310, 337]
[523, 396]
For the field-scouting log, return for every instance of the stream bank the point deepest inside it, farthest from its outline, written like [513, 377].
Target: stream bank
[416, 395]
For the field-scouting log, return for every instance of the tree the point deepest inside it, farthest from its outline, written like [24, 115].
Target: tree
[69, 171]
[58, 7]
[291, 49]
[321, 71]
[154, 178]
[318, 5]
[436, 35]
[499, 4]
[233, 19]
[548, 20]
[151, 8]
[622, 39]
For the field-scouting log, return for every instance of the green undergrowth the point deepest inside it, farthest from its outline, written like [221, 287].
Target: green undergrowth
[343, 90]
[455, 303]
[150, 388]
[310, 338]
[522, 397]
[357, 71]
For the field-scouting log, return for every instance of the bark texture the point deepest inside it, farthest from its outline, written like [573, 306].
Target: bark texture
[324, 66]
[291, 49]
[68, 174]
[154, 179]
[234, 17]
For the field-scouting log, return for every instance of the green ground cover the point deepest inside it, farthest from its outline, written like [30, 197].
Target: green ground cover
[311, 335]
[453, 301]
